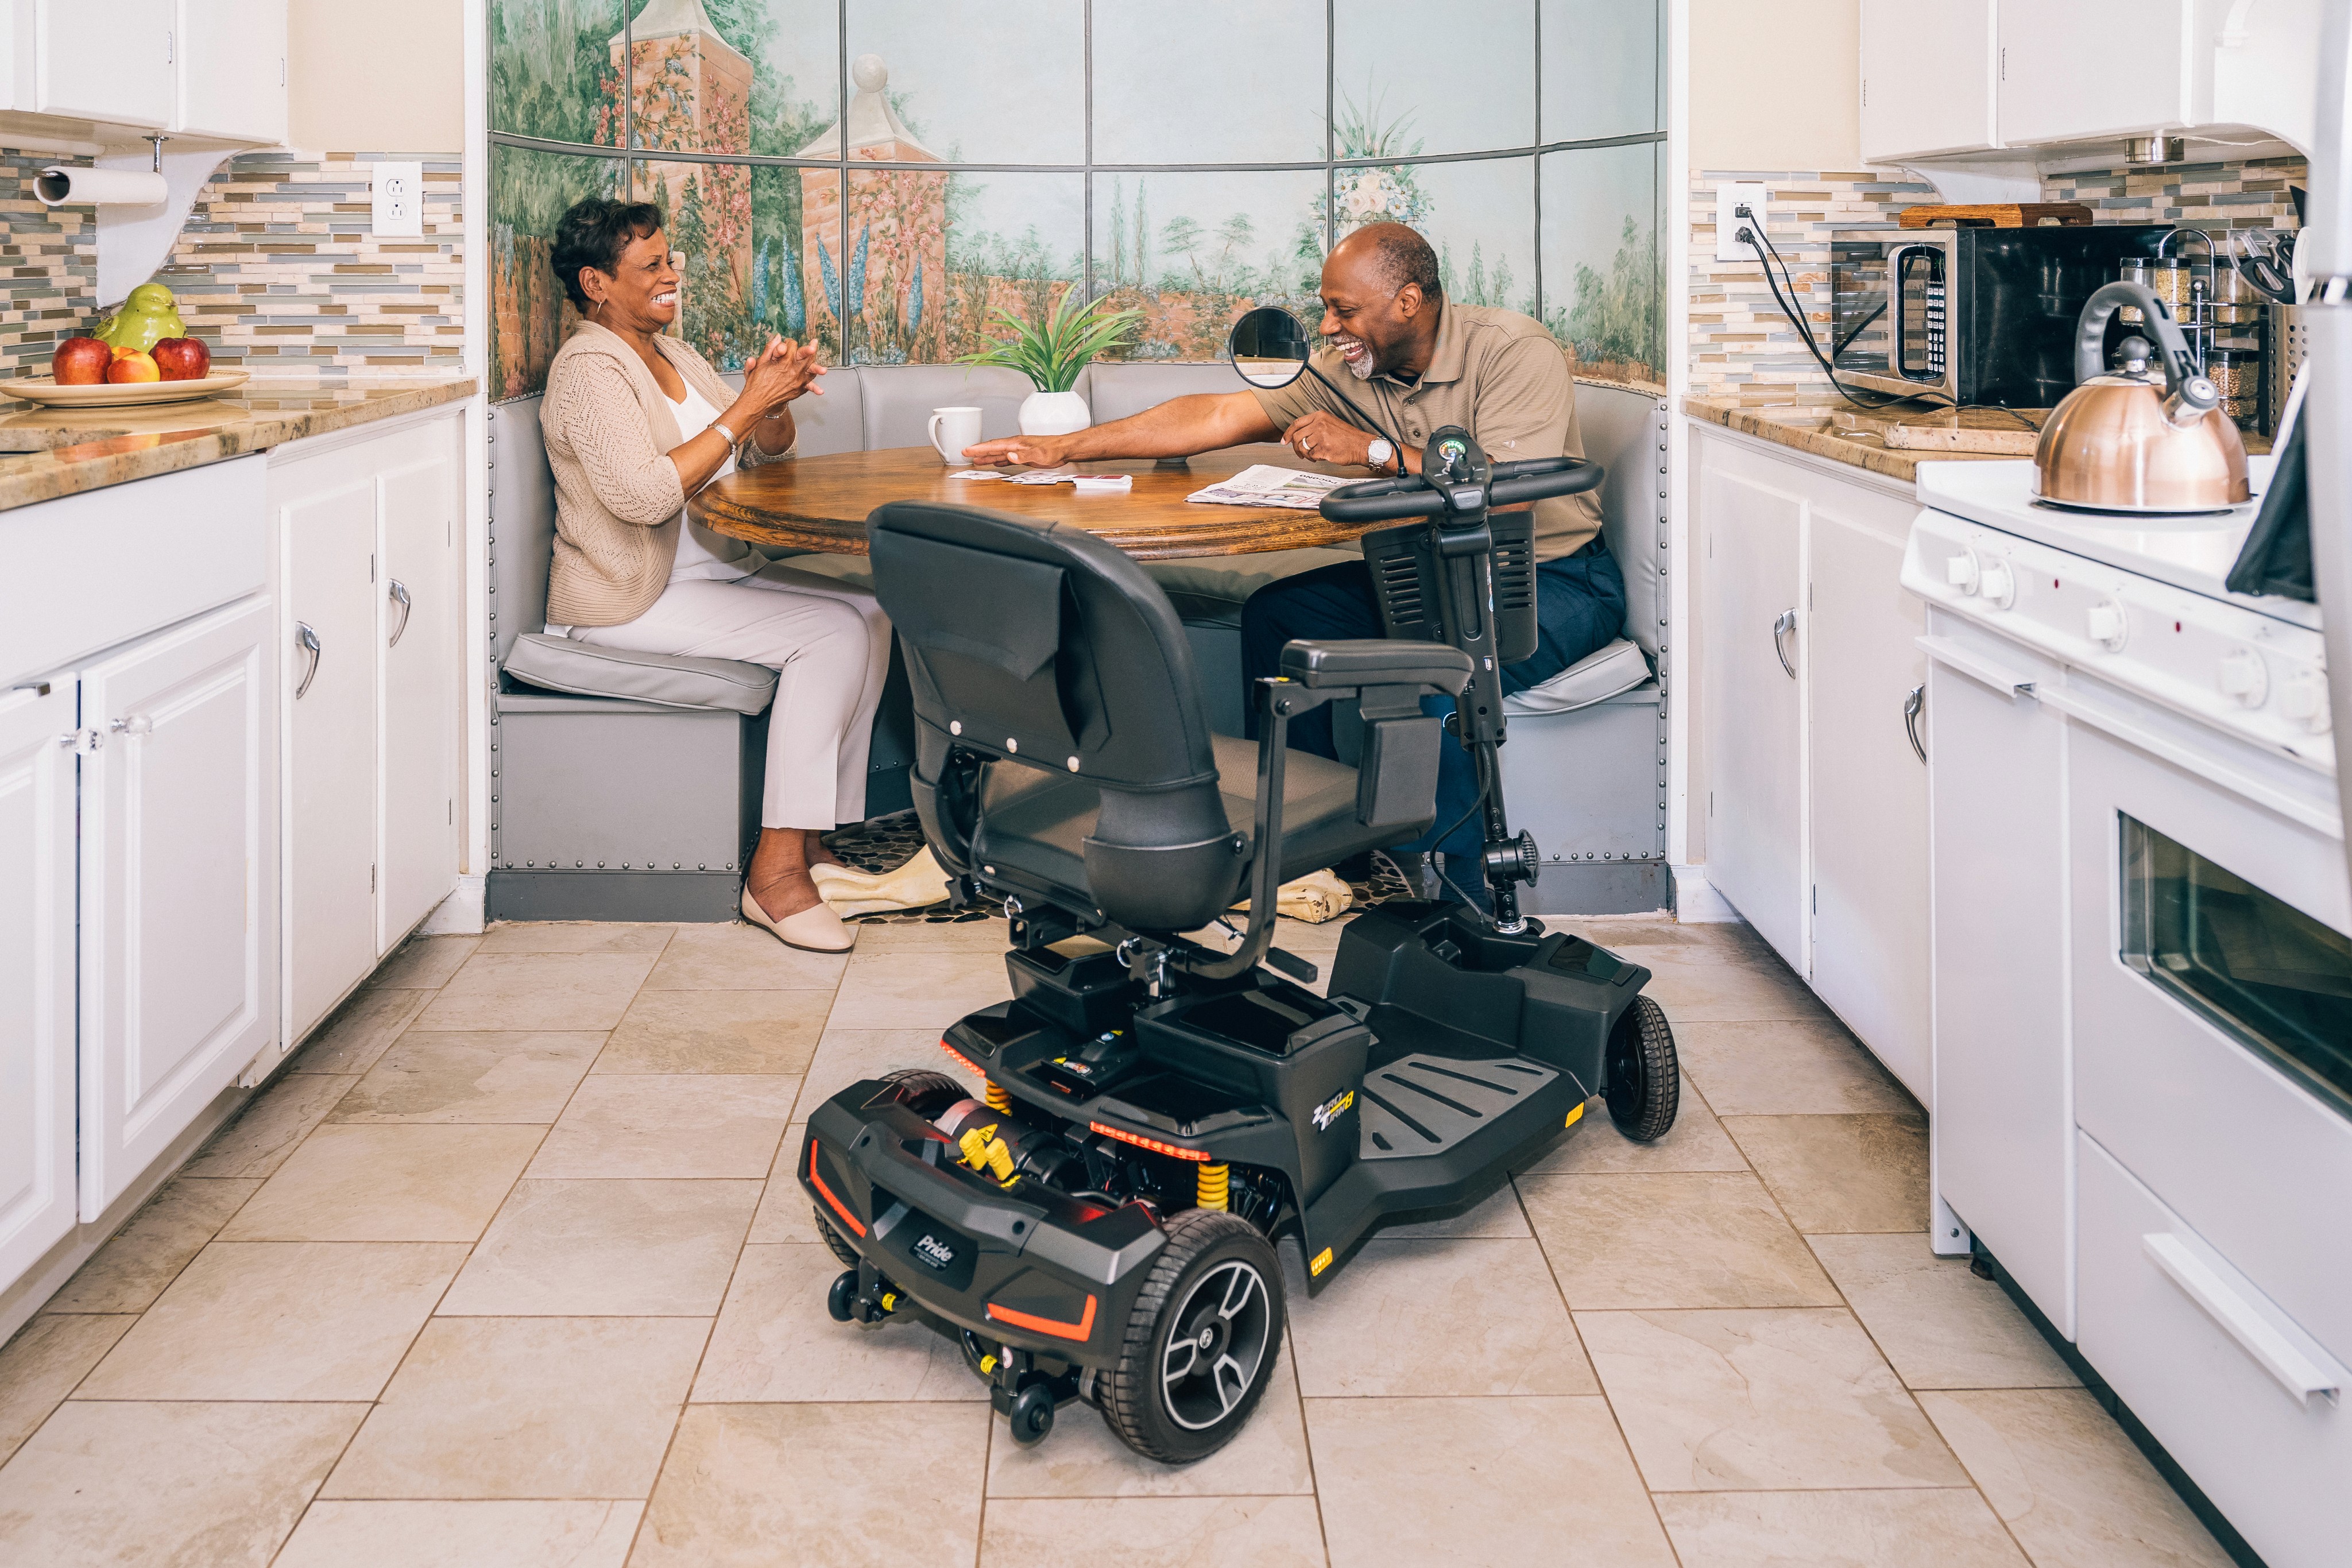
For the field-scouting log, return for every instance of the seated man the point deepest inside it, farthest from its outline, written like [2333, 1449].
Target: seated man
[1400, 363]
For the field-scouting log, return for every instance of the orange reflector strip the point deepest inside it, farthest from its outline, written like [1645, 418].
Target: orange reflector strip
[1154, 1145]
[966, 1062]
[1083, 1328]
[1573, 1117]
[827, 1193]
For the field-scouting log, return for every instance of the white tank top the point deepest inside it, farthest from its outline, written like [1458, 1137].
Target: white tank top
[697, 557]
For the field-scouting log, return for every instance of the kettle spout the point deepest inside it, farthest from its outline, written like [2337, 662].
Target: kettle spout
[2195, 397]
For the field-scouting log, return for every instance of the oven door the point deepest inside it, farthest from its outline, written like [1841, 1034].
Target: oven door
[1889, 329]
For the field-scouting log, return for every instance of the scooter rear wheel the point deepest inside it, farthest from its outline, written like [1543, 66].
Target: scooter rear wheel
[1201, 1343]
[1644, 1085]
[833, 1241]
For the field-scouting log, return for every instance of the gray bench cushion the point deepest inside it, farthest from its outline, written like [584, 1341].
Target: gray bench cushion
[561, 664]
[1211, 588]
[1595, 678]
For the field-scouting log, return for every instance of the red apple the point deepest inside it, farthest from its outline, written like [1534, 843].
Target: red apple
[80, 363]
[137, 365]
[183, 359]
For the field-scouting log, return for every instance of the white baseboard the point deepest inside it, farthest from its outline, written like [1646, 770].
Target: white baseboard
[460, 913]
[1696, 900]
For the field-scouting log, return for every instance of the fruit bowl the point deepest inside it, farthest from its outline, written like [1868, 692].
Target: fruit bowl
[45, 390]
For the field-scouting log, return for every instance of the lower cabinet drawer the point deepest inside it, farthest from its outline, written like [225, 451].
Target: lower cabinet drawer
[2155, 1305]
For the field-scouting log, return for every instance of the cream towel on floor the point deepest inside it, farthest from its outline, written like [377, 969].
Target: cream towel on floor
[849, 893]
[1317, 896]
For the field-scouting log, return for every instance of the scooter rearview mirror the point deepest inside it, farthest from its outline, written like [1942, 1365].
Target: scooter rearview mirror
[1269, 346]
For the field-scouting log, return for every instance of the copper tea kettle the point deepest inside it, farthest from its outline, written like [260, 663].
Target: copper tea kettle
[2126, 443]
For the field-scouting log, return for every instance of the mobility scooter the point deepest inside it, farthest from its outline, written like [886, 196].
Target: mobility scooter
[1159, 1110]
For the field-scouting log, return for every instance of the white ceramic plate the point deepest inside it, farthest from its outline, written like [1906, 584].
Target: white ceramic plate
[122, 394]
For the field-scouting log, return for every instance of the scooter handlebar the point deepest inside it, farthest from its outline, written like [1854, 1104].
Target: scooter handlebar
[1508, 485]
[1540, 478]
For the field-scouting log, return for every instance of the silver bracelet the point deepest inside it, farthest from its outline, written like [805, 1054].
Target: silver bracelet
[721, 425]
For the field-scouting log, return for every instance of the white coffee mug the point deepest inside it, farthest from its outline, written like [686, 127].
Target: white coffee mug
[952, 429]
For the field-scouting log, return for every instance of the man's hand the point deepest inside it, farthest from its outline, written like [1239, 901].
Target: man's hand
[1325, 438]
[1027, 451]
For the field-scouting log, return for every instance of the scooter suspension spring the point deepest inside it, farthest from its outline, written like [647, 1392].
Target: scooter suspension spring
[1214, 1186]
[997, 1099]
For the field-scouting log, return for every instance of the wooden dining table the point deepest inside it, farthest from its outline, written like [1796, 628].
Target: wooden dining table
[821, 503]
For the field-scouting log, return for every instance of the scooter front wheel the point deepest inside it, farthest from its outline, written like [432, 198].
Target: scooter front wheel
[1644, 1081]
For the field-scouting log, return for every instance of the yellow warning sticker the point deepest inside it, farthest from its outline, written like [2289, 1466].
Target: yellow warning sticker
[1573, 1117]
[1322, 1261]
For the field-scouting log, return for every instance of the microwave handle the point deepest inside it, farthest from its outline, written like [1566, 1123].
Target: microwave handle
[1894, 318]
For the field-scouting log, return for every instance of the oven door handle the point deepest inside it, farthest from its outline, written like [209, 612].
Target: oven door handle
[2295, 808]
[2240, 1320]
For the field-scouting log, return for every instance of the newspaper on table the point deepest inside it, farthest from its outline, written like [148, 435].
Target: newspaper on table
[1263, 485]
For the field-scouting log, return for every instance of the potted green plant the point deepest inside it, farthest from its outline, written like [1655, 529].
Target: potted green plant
[1051, 352]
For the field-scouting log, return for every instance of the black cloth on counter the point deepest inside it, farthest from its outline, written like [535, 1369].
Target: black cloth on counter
[2277, 554]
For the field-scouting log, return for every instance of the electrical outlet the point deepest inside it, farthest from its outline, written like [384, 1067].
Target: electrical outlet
[1729, 196]
[398, 199]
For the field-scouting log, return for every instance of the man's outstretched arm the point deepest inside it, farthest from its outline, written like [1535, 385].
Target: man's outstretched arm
[1177, 428]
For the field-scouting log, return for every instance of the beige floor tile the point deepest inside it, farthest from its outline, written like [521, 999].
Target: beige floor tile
[1696, 1142]
[776, 1341]
[817, 1486]
[717, 1031]
[987, 936]
[630, 1125]
[526, 1407]
[166, 1485]
[1497, 1214]
[1787, 1069]
[360, 1030]
[472, 1076]
[847, 1056]
[538, 990]
[41, 1366]
[1835, 1173]
[1926, 1527]
[786, 1214]
[1684, 1239]
[1939, 1325]
[608, 1249]
[742, 958]
[463, 1535]
[388, 1184]
[1152, 1532]
[574, 937]
[2068, 1483]
[280, 1320]
[923, 990]
[1476, 1482]
[1083, 1458]
[1703, 986]
[130, 1270]
[1446, 1317]
[1759, 1401]
[272, 1123]
[1733, 941]
[423, 963]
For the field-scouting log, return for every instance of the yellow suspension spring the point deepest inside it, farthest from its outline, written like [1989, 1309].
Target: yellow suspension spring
[983, 1150]
[998, 1100]
[1214, 1185]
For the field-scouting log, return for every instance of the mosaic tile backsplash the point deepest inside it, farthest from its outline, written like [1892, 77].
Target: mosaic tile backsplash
[1742, 347]
[51, 257]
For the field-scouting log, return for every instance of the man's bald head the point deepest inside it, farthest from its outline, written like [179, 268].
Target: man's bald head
[1393, 254]
[1381, 300]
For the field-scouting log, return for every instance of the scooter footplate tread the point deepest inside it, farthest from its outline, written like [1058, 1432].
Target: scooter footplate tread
[1423, 1104]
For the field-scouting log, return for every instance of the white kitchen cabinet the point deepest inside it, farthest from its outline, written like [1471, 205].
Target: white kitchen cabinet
[108, 61]
[1753, 638]
[37, 971]
[422, 710]
[178, 873]
[1868, 795]
[1910, 110]
[230, 68]
[2094, 69]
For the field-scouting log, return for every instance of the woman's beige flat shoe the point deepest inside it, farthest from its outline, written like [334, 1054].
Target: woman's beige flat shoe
[815, 929]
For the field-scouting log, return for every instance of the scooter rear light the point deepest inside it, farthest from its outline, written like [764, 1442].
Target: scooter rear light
[818, 1179]
[966, 1062]
[1155, 1145]
[1081, 1330]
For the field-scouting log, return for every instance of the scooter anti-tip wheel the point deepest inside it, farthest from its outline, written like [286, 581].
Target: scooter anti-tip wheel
[1201, 1343]
[1644, 1082]
[841, 1300]
[1033, 1414]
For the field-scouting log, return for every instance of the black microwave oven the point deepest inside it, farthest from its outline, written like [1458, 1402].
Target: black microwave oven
[1975, 316]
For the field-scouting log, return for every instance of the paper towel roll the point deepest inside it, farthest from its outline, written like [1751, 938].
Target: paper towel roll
[62, 186]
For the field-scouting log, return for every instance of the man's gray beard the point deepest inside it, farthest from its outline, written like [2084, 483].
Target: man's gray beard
[1363, 370]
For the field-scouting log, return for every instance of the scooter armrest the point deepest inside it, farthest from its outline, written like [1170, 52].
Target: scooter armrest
[1376, 662]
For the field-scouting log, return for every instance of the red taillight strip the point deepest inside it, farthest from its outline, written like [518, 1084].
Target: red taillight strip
[827, 1193]
[1083, 1328]
[966, 1062]
[1154, 1145]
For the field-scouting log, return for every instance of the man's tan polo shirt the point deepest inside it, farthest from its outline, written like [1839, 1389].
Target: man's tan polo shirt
[1496, 373]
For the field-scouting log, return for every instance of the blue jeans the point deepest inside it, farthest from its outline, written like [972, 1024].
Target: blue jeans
[1579, 610]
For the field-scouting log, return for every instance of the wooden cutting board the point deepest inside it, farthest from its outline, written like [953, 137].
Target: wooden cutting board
[1996, 216]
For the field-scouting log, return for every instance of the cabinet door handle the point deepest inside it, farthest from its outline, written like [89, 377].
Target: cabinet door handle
[309, 641]
[1913, 705]
[398, 594]
[136, 724]
[1785, 624]
[2239, 1318]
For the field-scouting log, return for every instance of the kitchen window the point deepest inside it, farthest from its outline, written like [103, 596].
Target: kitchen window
[2260, 969]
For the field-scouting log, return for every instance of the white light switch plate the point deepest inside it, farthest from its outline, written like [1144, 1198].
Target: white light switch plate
[398, 198]
[1728, 196]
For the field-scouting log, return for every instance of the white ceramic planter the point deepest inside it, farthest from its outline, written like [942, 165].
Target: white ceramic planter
[1054, 413]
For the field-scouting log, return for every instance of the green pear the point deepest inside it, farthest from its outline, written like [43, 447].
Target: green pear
[148, 317]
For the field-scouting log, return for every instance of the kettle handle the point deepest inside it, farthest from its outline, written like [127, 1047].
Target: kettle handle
[2182, 380]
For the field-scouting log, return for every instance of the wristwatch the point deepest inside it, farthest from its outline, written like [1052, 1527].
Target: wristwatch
[1380, 453]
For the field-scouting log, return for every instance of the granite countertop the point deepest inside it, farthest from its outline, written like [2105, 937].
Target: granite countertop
[48, 453]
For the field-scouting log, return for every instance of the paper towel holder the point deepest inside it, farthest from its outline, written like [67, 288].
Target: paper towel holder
[63, 184]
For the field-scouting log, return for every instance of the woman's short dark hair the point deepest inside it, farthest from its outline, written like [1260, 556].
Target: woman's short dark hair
[595, 233]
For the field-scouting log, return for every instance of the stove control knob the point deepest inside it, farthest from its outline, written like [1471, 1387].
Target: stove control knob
[2244, 677]
[1960, 572]
[2107, 625]
[1995, 582]
[2303, 697]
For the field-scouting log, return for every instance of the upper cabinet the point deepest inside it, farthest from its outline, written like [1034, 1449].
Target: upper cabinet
[1905, 113]
[231, 64]
[213, 70]
[2097, 69]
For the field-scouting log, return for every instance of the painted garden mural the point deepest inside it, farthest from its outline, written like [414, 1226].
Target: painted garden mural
[888, 192]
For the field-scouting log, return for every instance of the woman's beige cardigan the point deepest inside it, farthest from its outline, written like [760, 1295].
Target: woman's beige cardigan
[609, 430]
